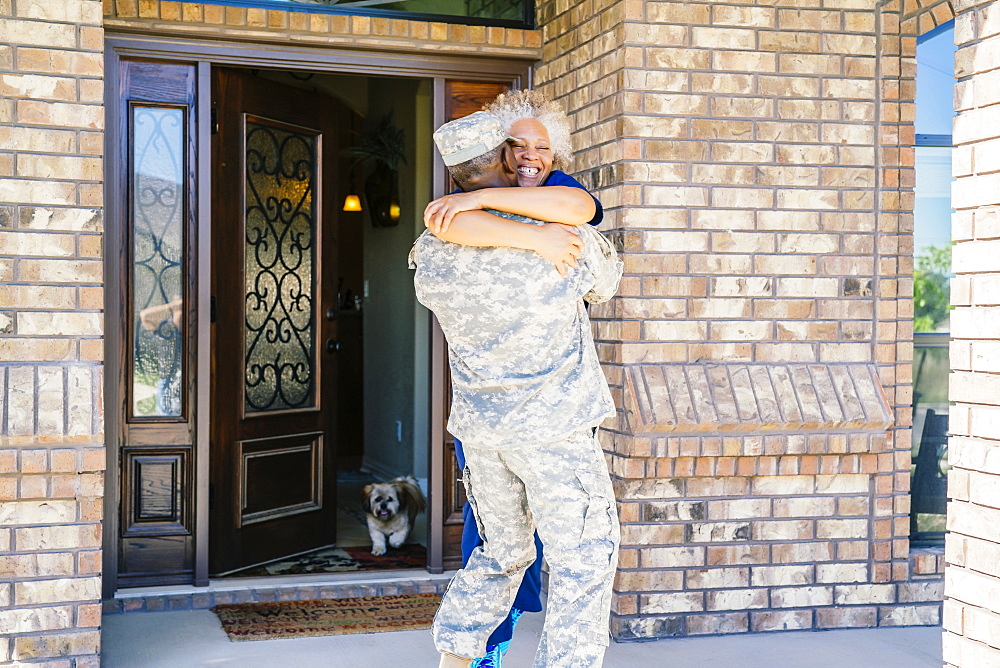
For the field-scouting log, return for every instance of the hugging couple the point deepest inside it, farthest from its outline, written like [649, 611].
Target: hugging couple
[506, 265]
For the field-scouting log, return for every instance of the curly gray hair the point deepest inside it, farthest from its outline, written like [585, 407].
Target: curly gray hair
[512, 106]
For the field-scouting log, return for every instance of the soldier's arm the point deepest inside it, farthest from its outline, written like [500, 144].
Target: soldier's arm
[555, 242]
[603, 264]
[554, 204]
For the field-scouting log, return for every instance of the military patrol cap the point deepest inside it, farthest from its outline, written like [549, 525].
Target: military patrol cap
[469, 137]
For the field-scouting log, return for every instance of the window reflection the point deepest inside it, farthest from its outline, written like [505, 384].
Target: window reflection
[516, 13]
[932, 272]
[158, 196]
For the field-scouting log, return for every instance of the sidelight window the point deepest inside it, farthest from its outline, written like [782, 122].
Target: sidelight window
[158, 217]
[932, 271]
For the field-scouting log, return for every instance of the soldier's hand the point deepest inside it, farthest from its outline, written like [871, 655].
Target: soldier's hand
[439, 213]
[559, 244]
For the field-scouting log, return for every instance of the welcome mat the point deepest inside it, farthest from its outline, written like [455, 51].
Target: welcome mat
[340, 560]
[296, 619]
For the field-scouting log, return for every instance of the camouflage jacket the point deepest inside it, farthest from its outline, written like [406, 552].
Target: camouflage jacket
[523, 362]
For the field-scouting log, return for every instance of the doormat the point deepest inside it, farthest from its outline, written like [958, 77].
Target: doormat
[296, 619]
[340, 560]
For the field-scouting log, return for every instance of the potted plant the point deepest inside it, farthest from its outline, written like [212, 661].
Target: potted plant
[383, 147]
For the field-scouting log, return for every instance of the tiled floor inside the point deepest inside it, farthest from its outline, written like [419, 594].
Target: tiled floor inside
[352, 529]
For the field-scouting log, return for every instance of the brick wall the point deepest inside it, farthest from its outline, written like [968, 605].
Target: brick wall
[972, 547]
[51, 347]
[756, 163]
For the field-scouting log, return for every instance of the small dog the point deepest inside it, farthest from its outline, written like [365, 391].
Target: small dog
[391, 508]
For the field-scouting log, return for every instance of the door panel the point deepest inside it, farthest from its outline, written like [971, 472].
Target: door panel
[274, 334]
[153, 281]
[461, 99]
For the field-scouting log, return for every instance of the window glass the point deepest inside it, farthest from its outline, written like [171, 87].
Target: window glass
[511, 13]
[932, 272]
[936, 81]
[158, 168]
[280, 267]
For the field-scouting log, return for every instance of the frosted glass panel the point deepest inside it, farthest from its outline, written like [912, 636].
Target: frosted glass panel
[158, 196]
[279, 331]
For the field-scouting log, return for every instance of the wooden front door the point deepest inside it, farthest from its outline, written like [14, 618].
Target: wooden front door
[461, 99]
[275, 155]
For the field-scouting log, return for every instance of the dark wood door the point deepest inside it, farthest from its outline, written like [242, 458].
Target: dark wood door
[273, 476]
[461, 99]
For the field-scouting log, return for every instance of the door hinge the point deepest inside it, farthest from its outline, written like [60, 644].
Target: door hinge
[211, 310]
[215, 121]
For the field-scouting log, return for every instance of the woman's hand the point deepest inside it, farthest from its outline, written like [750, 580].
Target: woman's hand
[559, 244]
[439, 213]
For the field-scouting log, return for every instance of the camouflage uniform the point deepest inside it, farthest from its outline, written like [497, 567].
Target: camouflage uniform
[528, 393]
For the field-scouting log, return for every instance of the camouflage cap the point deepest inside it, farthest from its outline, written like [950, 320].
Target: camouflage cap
[469, 137]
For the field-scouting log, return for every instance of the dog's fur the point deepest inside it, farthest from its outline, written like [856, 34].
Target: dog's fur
[391, 508]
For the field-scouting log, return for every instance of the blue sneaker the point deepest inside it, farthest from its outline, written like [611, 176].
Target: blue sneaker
[494, 653]
[515, 615]
[493, 658]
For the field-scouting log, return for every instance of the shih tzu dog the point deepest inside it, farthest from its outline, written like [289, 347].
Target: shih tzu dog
[391, 508]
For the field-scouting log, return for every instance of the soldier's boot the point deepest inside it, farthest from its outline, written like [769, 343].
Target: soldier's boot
[453, 661]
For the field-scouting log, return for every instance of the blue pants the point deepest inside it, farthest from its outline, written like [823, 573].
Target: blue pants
[528, 597]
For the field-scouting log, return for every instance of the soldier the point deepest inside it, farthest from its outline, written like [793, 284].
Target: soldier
[528, 394]
[541, 144]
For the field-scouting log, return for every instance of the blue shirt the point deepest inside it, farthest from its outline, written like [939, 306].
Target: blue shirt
[558, 177]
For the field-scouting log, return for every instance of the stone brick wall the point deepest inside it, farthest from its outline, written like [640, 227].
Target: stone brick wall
[51, 324]
[972, 546]
[756, 163]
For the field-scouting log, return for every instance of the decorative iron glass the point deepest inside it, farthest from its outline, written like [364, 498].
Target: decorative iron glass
[158, 197]
[279, 334]
[509, 13]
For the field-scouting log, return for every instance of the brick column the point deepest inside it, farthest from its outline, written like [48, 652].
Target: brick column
[51, 443]
[972, 546]
[753, 163]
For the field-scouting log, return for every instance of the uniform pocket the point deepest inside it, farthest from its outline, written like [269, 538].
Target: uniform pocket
[599, 535]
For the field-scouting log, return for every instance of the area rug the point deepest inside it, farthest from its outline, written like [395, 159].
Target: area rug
[341, 560]
[295, 619]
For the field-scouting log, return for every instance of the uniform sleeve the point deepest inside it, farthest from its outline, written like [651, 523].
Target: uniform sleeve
[560, 178]
[604, 264]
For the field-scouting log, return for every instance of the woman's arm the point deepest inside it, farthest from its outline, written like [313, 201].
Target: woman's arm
[555, 204]
[555, 242]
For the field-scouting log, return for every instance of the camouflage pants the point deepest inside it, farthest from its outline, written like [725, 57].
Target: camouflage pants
[563, 490]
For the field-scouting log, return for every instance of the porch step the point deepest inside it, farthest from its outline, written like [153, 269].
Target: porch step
[252, 590]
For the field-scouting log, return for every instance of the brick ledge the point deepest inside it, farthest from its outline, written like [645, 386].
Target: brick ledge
[753, 398]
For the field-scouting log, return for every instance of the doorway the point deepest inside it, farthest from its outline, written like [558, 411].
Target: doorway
[386, 383]
[319, 385]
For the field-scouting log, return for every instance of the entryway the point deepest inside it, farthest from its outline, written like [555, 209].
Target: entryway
[271, 359]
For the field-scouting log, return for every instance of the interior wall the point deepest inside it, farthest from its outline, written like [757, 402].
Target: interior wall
[423, 189]
[393, 396]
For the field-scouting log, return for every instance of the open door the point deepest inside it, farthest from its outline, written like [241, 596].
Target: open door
[274, 331]
[461, 99]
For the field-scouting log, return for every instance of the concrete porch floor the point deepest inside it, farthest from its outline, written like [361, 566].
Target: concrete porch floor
[195, 638]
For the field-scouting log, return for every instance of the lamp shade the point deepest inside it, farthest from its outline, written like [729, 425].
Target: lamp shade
[352, 203]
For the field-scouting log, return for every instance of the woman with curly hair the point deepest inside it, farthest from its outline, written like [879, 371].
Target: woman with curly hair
[539, 141]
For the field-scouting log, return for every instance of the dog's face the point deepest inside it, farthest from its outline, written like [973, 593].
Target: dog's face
[382, 500]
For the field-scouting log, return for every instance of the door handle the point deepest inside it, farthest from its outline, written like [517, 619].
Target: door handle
[332, 346]
[331, 313]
